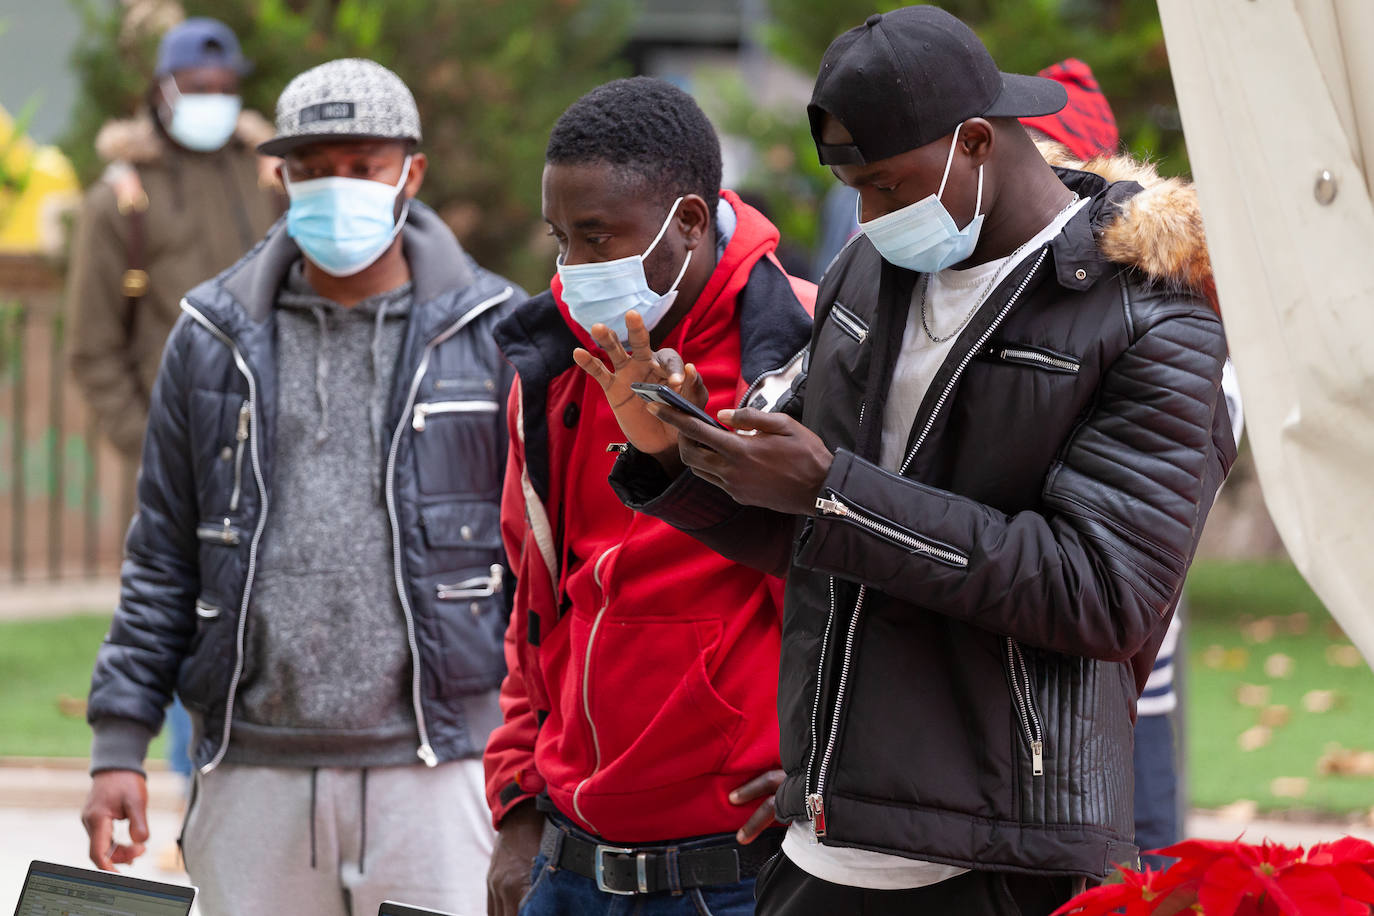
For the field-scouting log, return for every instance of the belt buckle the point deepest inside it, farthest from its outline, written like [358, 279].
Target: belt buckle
[641, 869]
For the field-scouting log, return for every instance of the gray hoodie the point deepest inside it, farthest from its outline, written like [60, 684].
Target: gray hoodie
[327, 674]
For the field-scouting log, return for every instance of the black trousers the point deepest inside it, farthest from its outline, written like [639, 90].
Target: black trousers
[783, 889]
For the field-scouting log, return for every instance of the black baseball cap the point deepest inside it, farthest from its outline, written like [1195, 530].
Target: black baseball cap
[905, 78]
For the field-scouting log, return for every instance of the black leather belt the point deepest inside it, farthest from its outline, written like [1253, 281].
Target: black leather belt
[653, 869]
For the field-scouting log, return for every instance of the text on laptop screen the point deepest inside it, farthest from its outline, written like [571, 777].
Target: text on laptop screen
[60, 895]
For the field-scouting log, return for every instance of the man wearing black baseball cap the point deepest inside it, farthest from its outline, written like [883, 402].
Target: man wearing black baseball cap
[984, 492]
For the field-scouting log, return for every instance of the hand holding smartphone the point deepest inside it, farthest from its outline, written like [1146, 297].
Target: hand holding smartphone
[662, 394]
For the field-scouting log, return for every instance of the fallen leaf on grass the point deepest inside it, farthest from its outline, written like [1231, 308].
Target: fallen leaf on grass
[1320, 700]
[1346, 762]
[1254, 738]
[1240, 810]
[1346, 656]
[1274, 716]
[1261, 631]
[1253, 694]
[1297, 624]
[1278, 665]
[1288, 787]
[1214, 656]
[1236, 659]
[73, 707]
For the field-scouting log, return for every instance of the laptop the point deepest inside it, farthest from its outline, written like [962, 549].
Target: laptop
[392, 908]
[61, 890]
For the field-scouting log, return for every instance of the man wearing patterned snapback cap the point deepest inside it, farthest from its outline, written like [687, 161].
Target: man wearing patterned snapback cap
[316, 564]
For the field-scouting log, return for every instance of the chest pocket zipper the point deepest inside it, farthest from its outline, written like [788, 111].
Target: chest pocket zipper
[852, 325]
[240, 437]
[430, 408]
[1034, 357]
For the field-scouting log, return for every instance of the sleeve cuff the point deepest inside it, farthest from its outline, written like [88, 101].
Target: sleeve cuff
[119, 744]
[686, 502]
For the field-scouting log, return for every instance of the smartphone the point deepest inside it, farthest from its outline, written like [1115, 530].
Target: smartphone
[662, 394]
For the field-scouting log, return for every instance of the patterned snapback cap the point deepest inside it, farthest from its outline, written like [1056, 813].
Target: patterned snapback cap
[350, 98]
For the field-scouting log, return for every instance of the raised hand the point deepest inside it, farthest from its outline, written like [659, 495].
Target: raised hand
[645, 432]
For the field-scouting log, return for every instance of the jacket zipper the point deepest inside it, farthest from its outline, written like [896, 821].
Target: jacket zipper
[848, 322]
[832, 504]
[764, 376]
[815, 800]
[425, 751]
[1023, 691]
[586, 685]
[240, 437]
[422, 411]
[1044, 359]
[475, 587]
[222, 534]
[252, 440]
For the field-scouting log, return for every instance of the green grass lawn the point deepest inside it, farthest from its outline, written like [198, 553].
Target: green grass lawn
[45, 672]
[1240, 616]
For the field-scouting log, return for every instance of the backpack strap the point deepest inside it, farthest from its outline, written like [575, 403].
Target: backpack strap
[132, 202]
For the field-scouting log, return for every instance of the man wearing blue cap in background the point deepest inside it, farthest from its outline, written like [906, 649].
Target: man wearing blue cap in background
[183, 197]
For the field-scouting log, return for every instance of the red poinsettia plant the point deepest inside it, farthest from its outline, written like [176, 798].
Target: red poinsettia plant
[1239, 879]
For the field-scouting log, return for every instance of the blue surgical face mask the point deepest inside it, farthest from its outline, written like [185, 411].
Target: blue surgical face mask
[923, 236]
[203, 122]
[602, 292]
[344, 224]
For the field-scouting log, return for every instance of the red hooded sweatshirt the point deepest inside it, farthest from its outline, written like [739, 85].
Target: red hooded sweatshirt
[651, 660]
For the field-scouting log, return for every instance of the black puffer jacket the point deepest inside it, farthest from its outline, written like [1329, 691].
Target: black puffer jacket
[964, 643]
[190, 556]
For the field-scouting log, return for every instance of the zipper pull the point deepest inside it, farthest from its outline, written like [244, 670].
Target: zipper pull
[426, 753]
[1037, 758]
[815, 809]
[618, 447]
[419, 420]
[498, 574]
[831, 506]
[245, 414]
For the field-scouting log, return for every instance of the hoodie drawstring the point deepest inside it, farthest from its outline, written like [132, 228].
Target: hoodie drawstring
[322, 372]
[375, 405]
[362, 838]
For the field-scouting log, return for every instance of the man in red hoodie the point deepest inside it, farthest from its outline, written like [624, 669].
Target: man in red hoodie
[639, 750]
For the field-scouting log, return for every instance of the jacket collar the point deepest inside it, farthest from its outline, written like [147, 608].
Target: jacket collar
[1078, 261]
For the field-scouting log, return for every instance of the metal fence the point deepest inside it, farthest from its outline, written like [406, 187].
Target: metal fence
[65, 494]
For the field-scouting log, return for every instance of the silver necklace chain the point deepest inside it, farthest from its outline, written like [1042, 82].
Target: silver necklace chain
[1012, 260]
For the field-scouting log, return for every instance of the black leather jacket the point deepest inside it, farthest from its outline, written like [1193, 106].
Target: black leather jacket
[188, 574]
[964, 642]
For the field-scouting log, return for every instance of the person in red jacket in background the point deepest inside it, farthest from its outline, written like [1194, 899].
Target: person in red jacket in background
[639, 749]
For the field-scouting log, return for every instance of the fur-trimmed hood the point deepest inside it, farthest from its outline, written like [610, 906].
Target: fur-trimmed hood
[1158, 231]
[137, 140]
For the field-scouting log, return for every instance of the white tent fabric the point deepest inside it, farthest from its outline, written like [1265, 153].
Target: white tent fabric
[1277, 99]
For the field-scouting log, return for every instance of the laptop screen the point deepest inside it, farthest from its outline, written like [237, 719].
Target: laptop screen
[58, 890]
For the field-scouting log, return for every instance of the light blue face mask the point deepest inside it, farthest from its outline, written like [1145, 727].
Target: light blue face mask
[344, 224]
[923, 236]
[602, 292]
[203, 122]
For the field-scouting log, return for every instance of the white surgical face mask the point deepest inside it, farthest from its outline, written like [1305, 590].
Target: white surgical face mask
[923, 236]
[602, 292]
[203, 122]
[344, 224]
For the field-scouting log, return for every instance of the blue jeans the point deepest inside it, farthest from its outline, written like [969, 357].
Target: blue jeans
[1156, 787]
[558, 892]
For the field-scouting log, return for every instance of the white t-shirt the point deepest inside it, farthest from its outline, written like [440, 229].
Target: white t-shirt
[951, 295]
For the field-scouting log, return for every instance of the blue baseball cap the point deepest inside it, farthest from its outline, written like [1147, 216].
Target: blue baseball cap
[199, 42]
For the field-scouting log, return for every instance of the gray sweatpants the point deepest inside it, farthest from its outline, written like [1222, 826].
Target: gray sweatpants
[338, 842]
